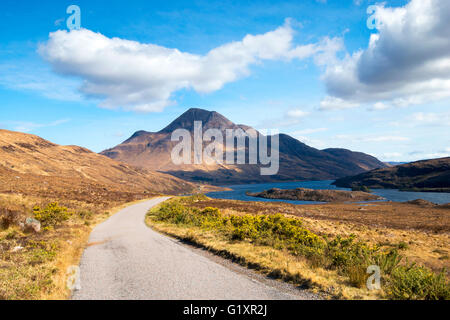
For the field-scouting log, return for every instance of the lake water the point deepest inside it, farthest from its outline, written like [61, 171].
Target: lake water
[238, 192]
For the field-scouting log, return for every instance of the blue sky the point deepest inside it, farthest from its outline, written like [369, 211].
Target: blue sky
[326, 97]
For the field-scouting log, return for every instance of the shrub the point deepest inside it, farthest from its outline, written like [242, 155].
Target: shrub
[85, 215]
[418, 283]
[52, 215]
[9, 218]
[387, 261]
[357, 275]
[361, 188]
[403, 245]
[41, 251]
[211, 212]
[345, 252]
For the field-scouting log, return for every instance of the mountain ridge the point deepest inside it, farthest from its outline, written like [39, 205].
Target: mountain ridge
[424, 174]
[298, 161]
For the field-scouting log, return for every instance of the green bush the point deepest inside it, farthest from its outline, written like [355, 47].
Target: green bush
[52, 215]
[387, 261]
[417, 283]
[41, 251]
[211, 212]
[361, 188]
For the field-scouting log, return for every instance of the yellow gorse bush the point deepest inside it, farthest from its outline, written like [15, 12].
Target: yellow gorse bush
[52, 215]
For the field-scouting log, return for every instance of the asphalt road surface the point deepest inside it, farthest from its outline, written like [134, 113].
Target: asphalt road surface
[127, 260]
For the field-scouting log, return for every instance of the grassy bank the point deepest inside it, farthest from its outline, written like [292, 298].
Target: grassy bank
[33, 265]
[283, 247]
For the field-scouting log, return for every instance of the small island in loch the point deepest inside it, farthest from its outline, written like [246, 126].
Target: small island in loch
[302, 194]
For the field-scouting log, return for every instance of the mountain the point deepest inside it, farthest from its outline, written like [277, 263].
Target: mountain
[152, 150]
[426, 175]
[32, 165]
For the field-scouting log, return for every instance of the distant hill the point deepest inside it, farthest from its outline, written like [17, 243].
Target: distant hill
[426, 175]
[152, 150]
[303, 194]
[34, 166]
[394, 163]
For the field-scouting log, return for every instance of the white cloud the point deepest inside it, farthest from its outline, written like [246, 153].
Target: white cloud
[315, 143]
[406, 63]
[441, 119]
[437, 155]
[40, 80]
[380, 106]
[391, 155]
[431, 155]
[290, 118]
[385, 139]
[309, 131]
[59, 22]
[333, 103]
[435, 119]
[296, 113]
[26, 127]
[371, 138]
[143, 77]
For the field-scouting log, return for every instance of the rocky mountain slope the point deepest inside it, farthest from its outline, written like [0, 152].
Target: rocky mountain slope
[152, 150]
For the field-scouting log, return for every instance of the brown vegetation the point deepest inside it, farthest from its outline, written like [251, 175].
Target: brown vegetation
[303, 194]
[424, 229]
[33, 166]
[395, 215]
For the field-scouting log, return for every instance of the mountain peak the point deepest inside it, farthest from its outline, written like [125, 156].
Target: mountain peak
[209, 119]
[298, 161]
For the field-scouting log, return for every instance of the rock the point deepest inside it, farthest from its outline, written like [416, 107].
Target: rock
[18, 248]
[421, 202]
[32, 225]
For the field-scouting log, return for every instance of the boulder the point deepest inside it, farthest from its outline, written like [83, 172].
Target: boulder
[32, 225]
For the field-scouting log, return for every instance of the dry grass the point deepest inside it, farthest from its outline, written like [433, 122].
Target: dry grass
[425, 230]
[38, 271]
[34, 166]
[394, 215]
[278, 264]
[426, 246]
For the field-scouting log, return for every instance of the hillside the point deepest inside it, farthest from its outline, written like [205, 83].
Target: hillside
[33, 166]
[426, 175]
[152, 150]
[303, 194]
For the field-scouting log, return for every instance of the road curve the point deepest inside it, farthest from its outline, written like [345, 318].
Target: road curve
[127, 260]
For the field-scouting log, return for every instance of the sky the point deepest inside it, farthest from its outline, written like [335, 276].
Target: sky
[357, 74]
